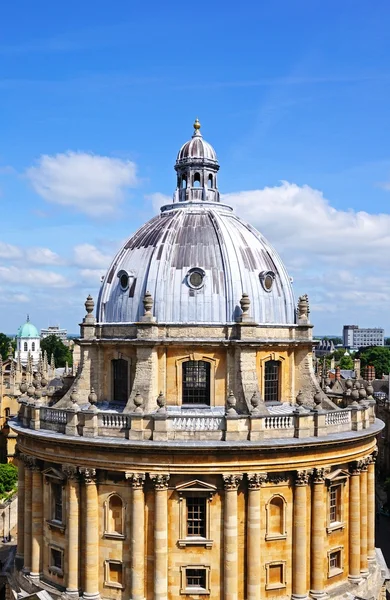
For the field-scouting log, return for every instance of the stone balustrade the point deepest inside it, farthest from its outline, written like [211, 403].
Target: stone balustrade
[185, 425]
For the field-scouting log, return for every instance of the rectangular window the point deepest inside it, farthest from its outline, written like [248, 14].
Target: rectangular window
[56, 490]
[271, 381]
[275, 575]
[335, 562]
[195, 579]
[113, 574]
[196, 517]
[56, 561]
[335, 504]
[196, 382]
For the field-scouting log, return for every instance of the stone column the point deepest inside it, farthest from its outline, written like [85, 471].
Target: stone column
[36, 521]
[160, 482]
[137, 540]
[91, 536]
[255, 481]
[27, 513]
[21, 501]
[318, 524]
[299, 553]
[354, 522]
[363, 520]
[230, 537]
[73, 542]
[371, 508]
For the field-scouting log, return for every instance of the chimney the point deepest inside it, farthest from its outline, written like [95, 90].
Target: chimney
[356, 367]
[337, 374]
[369, 373]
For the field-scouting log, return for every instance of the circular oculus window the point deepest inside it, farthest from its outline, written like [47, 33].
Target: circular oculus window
[123, 280]
[195, 278]
[267, 280]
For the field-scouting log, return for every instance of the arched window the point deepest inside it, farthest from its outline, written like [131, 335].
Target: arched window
[184, 182]
[33, 346]
[197, 180]
[276, 517]
[271, 381]
[25, 346]
[196, 382]
[120, 380]
[210, 181]
[114, 515]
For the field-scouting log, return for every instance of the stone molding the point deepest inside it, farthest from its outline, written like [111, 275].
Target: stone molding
[231, 481]
[88, 474]
[256, 480]
[136, 480]
[302, 477]
[159, 480]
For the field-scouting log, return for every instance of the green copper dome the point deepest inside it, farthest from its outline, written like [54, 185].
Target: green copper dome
[28, 330]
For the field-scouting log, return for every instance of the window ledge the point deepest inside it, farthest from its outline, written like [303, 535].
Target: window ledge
[275, 586]
[335, 526]
[56, 571]
[276, 536]
[194, 591]
[56, 525]
[196, 541]
[112, 584]
[334, 572]
[113, 535]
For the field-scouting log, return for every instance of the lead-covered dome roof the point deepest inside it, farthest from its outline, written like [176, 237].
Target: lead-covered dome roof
[196, 148]
[197, 259]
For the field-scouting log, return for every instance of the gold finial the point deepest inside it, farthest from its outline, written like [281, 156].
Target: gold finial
[197, 124]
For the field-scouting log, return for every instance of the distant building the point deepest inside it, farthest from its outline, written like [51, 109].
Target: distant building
[355, 337]
[27, 343]
[61, 334]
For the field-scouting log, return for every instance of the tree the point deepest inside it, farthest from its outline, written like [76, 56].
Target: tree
[53, 345]
[5, 343]
[8, 478]
[346, 362]
[378, 356]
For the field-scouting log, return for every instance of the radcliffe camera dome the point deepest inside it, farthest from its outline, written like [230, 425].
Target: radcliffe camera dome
[197, 258]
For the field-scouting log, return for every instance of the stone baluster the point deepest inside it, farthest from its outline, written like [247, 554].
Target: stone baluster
[28, 462]
[363, 520]
[299, 553]
[318, 524]
[137, 540]
[160, 482]
[21, 502]
[371, 508]
[36, 521]
[255, 481]
[354, 522]
[91, 535]
[230, 536]
[73, 489]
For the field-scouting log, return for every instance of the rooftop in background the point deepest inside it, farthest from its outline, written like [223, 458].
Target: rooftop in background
[61, 334]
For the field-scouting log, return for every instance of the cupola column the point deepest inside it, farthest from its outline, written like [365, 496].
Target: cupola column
[255, 481]
[300, 530]
[73, 487]
[137, 540]
[91, 552]
[27, 513]
[317, 534]
[160, 536]
[354, 522]
[371, 508]
[21, 502]
[363, 520]
[37, 521]
[230, 537]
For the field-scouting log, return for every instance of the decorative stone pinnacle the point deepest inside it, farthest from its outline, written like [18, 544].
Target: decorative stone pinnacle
[299, 399]
[317, 398]
[245, 303]
[197, 126]
[255, 401]
[303, 309]
[231, 404]
[138, 402]
[92, 397]
[89, 304]
[74, 395]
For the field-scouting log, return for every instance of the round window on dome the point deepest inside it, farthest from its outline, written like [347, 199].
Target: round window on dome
[195, 278]
[267, 279]
[123, 280]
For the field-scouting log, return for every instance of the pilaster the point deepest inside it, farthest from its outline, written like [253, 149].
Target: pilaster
[254, 558]
[371, 508]
[299, 575]
[91, 535]
[21, 501]
[73, 493]
[36, 521]
[318, 524]
[137, 541]
[363, 520]
[28, 463]
[231, 483]
[354, 522]
[160, 482]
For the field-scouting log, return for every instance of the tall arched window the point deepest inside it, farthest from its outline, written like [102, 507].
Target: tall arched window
[197, 180]
[184, 182]
[210, 181]
[271, 381]
[25, 346]
[276, 517]
[120, 380]
[196, 382]
[33, 346]
[114, 515]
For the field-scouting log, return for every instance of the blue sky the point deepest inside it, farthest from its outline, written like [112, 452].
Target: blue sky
[96, 99]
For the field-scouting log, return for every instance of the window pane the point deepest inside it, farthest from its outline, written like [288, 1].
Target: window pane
[196, 382]
[57, 501]
[271, 381]
[196, 578]
[120, 380]
[196, 517]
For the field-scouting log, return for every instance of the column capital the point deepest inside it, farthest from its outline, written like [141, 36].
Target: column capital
[231, 481]
[71, 472]
[136, 480]
[355, 467]
[256, 480]
[160, 480]
[371, 459]
[88, 474]
[302, 477]
[319, 475]
[276, 478]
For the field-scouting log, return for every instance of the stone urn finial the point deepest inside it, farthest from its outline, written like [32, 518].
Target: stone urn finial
[138, 402]
[74, 395]
[317, 398]
[245, 305]
[148, 304]
[299, 399]
[89, 304]
[23, 386]
[255, 401]
[161, 402]
[231, 404]
[303, 309]
[92, 397]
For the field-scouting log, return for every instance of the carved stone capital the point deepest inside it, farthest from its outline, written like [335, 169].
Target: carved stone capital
[159, 480]
[276, 478]
[231, 481]
[372, 458]
[136, 480]
[319, 475]
[71, 472]
[355, 467]
[36, 465]
[88, 474]
[256, 480]
[302, 477]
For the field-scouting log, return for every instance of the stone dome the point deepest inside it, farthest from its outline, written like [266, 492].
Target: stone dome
[196, 148]
[27, 330]
[197, 259]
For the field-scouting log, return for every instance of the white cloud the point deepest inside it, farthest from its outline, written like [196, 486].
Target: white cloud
[92, 276]
[33, 277]
[158, 200]
[9, 251]
[88, 256]
[43, 256]
[88, 183]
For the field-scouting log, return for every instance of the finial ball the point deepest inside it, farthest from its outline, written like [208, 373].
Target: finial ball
[197, 124]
